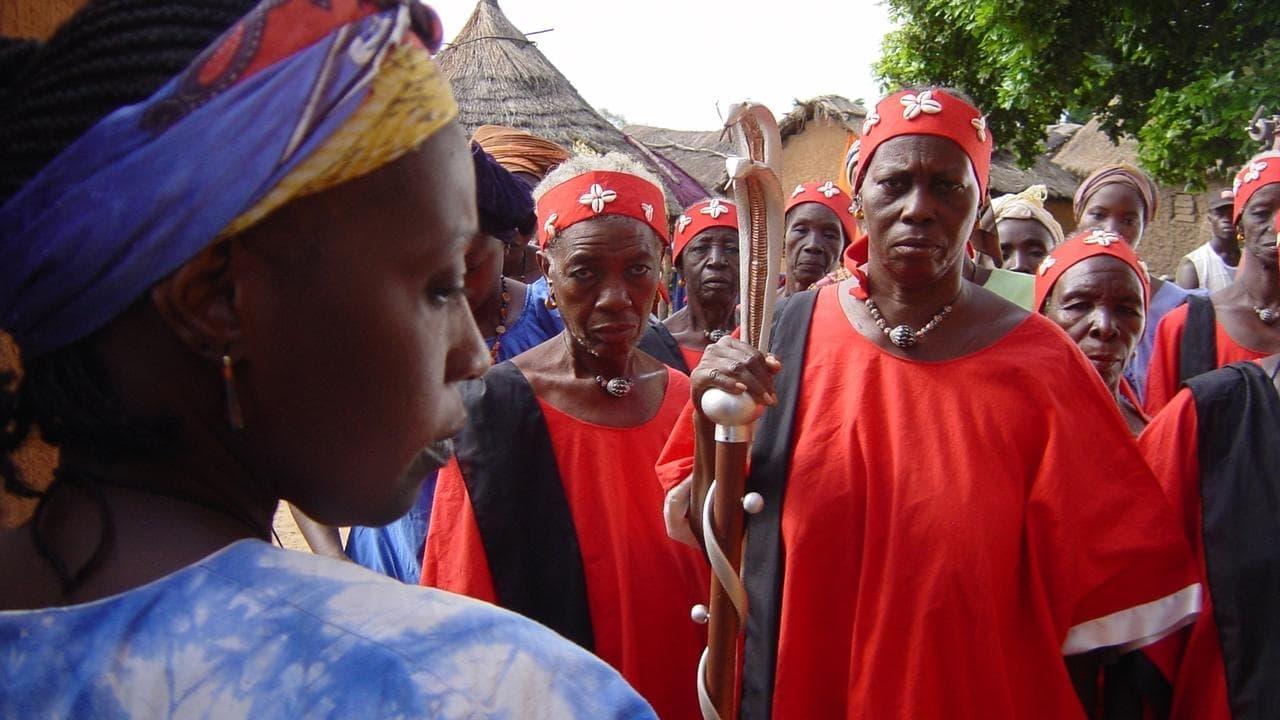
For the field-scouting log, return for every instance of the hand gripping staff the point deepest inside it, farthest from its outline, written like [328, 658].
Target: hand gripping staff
[757, 189]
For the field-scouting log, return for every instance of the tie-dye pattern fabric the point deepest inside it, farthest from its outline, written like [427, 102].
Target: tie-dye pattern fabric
[254, 631]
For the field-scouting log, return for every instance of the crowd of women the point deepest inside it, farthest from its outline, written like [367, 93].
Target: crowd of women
[250, 256]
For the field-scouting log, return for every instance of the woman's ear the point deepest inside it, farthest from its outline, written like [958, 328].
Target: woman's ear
[197, 302]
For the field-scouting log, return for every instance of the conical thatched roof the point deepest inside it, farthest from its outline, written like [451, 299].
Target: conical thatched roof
[499, 76]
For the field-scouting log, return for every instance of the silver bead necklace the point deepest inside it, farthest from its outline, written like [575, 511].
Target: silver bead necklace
[904, 336]
[617, 387]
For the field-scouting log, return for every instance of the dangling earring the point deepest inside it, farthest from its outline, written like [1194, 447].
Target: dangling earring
[235, 418]
[550, 302]
[857, 208]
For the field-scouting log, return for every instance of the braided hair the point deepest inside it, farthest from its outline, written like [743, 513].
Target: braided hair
[110, 54]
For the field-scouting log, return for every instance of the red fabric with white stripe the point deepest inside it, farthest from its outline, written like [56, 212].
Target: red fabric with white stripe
[948, 527]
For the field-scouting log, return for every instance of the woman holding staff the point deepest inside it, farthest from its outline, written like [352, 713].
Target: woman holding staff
[932, 541]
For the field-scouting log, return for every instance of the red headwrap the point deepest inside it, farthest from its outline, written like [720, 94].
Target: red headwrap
[593, 194]
[826, 193]
[928, 112]
[1262, 170]
[700, 216]
[1082, 246]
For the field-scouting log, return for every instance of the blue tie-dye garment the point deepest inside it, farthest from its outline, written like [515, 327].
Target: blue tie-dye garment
[254, 631]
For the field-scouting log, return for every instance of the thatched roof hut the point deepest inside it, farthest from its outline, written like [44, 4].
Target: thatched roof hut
[701, 154]
[826, 109]
[499, 76]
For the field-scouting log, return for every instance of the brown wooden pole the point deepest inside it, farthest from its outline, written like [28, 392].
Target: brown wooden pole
[723, 627]
[704, 471]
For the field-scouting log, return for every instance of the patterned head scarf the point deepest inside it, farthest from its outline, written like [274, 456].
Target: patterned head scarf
[1118, 174]
[296, 98]
[1027, 205]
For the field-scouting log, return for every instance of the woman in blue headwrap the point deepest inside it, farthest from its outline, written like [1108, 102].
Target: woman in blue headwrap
[234, 273]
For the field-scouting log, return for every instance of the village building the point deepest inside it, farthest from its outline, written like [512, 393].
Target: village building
[500, 77]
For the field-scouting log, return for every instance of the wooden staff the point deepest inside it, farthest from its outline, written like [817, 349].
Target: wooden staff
[758, 194]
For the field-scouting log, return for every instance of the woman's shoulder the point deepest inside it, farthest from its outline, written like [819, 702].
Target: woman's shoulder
[276, 633]
[1173, 321]
[1041, 353]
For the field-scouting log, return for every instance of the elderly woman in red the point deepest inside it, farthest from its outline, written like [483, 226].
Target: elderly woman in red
[705, 252]
[1239, 322]
[548, 508]
[1095, 289]
[1214, 449]
[819, 224]
[952, 503]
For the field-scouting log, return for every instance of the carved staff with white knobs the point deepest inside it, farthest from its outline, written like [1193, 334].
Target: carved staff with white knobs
[758, 195]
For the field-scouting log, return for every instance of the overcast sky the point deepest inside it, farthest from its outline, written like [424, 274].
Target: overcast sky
[669, 62]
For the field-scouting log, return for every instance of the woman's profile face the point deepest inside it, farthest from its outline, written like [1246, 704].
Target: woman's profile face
[1115, 208]
[1099, 303]
[354, 347]
[920, 198]
[604, 276]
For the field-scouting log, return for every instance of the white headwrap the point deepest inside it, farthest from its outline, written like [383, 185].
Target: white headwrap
[1027, 205]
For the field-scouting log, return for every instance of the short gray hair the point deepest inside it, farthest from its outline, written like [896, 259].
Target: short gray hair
[583, 164]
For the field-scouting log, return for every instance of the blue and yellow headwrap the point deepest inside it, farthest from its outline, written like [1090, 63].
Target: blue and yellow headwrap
[296, 98]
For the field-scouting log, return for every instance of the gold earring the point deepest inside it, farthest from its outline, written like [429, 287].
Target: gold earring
[550, 302]
[235, 417]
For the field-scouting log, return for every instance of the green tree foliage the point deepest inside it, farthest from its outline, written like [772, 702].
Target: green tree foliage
[1183, 77]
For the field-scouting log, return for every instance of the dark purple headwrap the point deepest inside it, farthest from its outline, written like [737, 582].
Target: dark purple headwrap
[505, 203]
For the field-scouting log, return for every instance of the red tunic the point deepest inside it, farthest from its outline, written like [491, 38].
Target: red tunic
[949, 529]
[640, 584]
[1192, 661]
[1162, 374]
[692, 356]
